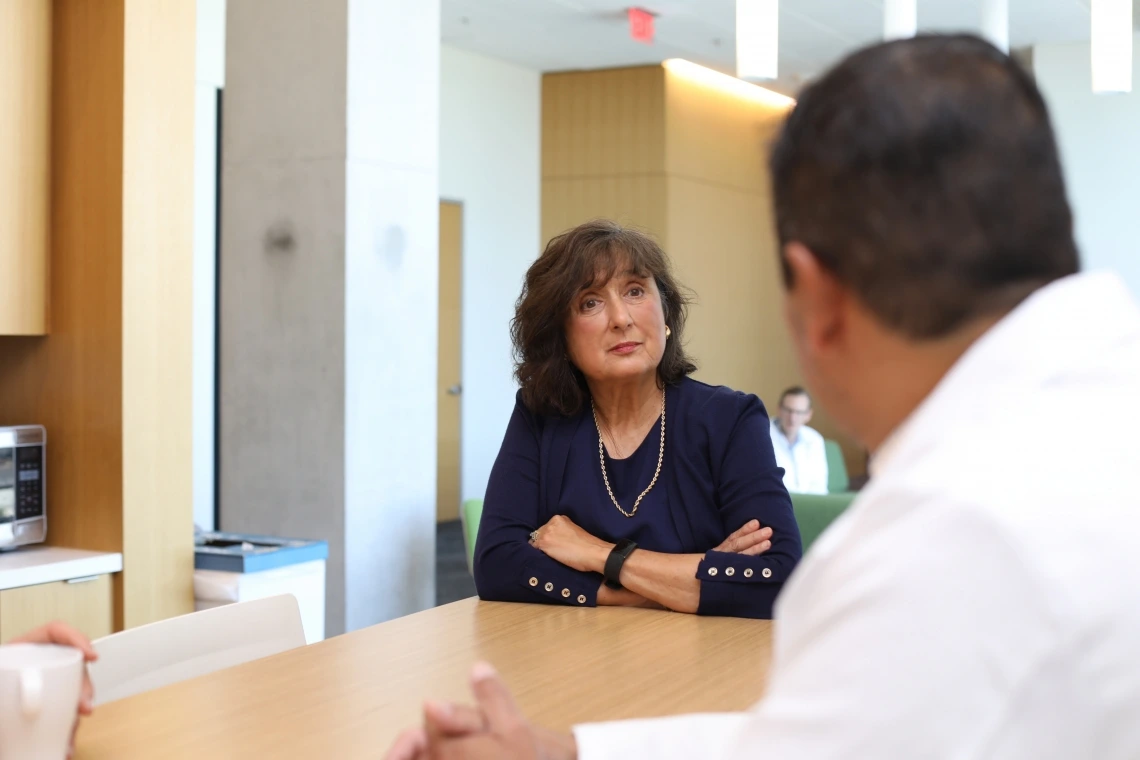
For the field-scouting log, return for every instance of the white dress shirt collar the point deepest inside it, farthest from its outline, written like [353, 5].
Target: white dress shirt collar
[1011, 356]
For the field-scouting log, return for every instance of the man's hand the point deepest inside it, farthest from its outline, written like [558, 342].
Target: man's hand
[495, 728]
[64, 635]
[751, 540]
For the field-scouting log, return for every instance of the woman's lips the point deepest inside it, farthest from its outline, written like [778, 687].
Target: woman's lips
[624, 348]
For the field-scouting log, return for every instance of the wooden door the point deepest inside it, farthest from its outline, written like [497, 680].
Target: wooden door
[450, 362]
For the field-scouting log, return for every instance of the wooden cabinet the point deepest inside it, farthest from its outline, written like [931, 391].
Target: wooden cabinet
[85, 603]
[25, 144]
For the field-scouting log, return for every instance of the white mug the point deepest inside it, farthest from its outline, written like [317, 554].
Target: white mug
[39, 700]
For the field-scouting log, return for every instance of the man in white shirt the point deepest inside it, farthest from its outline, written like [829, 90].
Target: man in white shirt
[799, 448]
[980, 597]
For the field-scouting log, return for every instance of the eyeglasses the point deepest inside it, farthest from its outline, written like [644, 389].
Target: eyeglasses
[797, 412]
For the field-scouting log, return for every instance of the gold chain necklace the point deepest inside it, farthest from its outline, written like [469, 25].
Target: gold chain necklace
[602, 459]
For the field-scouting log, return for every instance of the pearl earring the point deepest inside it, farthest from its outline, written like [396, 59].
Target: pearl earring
[668, 332]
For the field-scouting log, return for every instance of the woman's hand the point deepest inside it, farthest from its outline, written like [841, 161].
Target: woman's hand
[64, 635]
[564, 541]
[751, 540]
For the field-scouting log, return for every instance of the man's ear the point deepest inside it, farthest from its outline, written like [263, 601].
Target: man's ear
[815, 300]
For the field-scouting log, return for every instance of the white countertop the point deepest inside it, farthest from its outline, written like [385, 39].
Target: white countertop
[32, 565]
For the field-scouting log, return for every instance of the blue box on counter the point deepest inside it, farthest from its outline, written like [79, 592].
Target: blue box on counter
[243, 553]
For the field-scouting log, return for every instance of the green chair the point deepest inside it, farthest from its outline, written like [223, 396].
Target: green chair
[469, 516]
[814, 512]
[837, 479]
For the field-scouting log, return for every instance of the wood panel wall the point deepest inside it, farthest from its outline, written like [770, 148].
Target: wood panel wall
[158, 237]
[603, 148]
[112, 381]
[686, 162]
[25, 134]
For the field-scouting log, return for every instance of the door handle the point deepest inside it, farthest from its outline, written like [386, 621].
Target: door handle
[455, 390]
[84, 579]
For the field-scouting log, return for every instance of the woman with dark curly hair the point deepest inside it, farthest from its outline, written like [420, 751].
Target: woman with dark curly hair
[621, 480]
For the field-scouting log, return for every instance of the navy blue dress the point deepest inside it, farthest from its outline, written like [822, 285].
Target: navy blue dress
[718, 473]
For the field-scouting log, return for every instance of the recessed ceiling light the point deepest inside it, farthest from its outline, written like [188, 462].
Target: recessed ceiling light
[1111, 46]
[757, 39]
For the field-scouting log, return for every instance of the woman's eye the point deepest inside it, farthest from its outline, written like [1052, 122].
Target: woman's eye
[637, 291]
[589, 303]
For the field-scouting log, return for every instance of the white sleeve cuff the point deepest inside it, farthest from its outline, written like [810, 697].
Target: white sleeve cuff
[686, 737]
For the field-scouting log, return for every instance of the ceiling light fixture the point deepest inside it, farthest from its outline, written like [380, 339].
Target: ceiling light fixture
[900, 19]
[995, 23]
[694, 72]
[757, 39]
[1111, 46]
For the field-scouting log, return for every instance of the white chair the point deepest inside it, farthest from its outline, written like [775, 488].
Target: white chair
[169, 651]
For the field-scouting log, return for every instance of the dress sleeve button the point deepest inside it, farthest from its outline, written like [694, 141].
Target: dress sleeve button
[766, 572]
[712, 571]
[565, 593]
[747, 572]
[581, 598]
[730, 572]
[534, 581]
[549, 586]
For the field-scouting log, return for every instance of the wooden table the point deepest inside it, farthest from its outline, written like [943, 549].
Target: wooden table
[350, 696]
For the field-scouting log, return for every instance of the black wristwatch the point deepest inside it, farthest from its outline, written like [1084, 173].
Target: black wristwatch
[617, 558]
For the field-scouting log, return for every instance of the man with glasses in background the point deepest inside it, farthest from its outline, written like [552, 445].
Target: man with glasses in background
[799, 448]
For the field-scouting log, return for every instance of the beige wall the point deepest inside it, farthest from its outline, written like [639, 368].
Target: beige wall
[687, 162]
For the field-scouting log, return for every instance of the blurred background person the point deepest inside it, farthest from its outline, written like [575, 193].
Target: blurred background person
[799, 448]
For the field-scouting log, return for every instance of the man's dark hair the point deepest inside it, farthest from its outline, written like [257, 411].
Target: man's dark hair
[924, 175]
[796, 390]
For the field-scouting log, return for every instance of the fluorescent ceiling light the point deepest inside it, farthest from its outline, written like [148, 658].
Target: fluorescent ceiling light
[757, 38]
[1112, 45]
[995, 23]
[900, 19]
[714, 79]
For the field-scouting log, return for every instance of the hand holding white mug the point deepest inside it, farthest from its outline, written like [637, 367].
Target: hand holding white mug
[46, 668]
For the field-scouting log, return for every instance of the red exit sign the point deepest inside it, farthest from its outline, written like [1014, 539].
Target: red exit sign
[641, 25]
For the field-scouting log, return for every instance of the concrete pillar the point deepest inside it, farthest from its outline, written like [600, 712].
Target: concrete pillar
[329, 290]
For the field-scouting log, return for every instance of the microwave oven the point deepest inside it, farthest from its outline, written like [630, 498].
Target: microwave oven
[23, 490]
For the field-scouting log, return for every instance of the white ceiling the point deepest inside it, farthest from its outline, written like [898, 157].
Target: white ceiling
[557, 35]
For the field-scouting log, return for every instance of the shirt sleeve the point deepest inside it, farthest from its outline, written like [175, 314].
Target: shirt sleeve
[878, 655]
[506, 567]
[780, 455]
[817, 467]
[687, 736]
[750, 487]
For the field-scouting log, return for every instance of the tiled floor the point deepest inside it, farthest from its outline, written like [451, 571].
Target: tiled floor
[452, 581]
